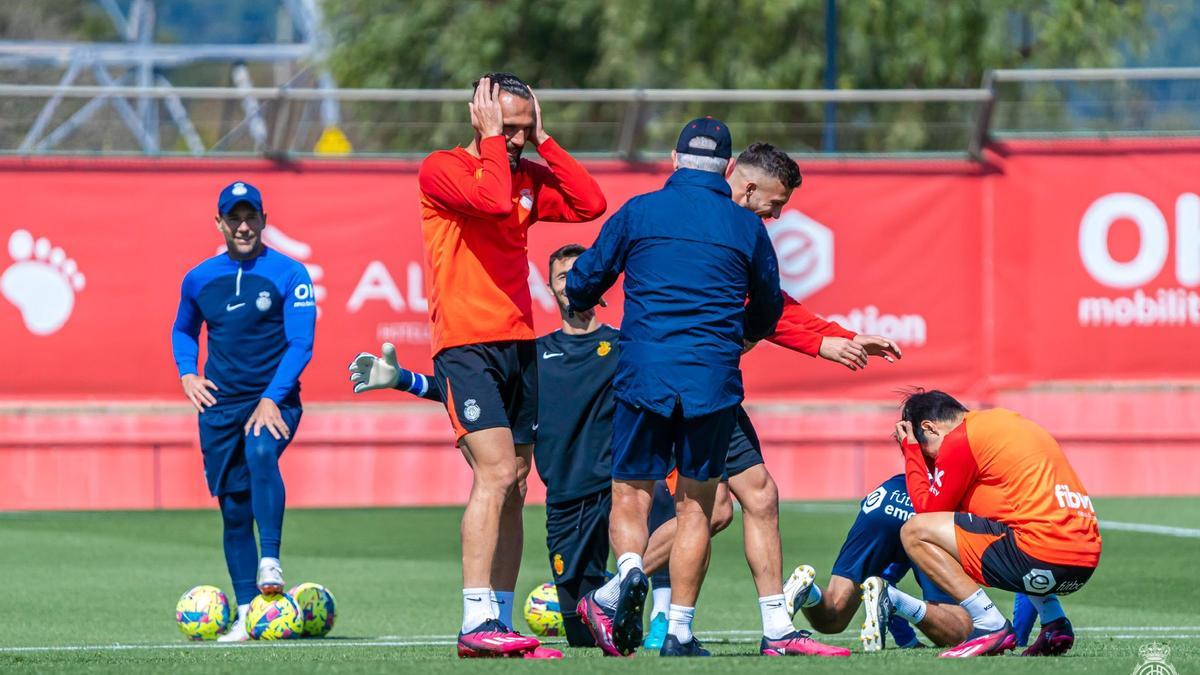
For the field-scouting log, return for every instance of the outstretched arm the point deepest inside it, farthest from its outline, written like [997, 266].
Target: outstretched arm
[369, 372]
[803, 331]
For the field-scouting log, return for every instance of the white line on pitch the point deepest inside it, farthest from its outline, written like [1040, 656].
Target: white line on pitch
[1185, 532]
[1128, 633]
[232, 645]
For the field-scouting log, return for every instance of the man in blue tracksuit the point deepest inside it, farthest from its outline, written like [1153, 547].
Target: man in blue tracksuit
[260, 312]
[701, 281]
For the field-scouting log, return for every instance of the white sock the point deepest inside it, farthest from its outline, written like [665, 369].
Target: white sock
[910, 608]
[1048, 608]
[680, 625]
[502, 605]
[813, 597]
[628, 562]
[243, 610]
[775, 620]
[984, 614]
[662, 601]
[608, 594]
[477, 607]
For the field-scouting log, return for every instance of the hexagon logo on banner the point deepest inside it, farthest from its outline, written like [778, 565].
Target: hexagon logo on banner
[805, 251]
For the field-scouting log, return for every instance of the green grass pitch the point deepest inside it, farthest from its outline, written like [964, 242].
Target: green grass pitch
[96, 592]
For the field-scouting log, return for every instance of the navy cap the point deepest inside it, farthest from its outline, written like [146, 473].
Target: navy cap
[706, 126]
[239, 192]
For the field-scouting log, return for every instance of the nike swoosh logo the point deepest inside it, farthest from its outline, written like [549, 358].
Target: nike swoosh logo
[548, 355]
[475, 599]
[535, 427]
[230, 308]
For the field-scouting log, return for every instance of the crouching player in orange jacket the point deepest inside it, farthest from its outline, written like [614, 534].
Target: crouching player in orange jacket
[997, 504]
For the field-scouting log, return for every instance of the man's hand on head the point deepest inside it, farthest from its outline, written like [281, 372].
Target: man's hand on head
[903, 434]
[539, 132]
[486, 115]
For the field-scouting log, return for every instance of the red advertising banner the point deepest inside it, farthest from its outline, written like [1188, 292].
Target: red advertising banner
[1064, 264]
[1072, 261]
[1095, 252]
[97, 253]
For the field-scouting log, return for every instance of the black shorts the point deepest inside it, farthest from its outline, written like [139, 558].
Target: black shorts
[745, 451]
[490, 385]
[990, 555]
[577, 538]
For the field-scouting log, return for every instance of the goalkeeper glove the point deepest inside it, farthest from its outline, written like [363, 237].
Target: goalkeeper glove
[369, 372]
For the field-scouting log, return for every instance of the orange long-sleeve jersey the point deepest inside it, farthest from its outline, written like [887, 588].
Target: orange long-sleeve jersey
[801, 330]
[1001, 466]
[475, 213]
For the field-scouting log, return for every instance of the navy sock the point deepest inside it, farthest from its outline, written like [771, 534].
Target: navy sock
[894, 572]
[266, 489]
[1024, 614]
[902, 632]
[241, 552]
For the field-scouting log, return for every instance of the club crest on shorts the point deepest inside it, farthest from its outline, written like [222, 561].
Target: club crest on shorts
[603, 348]
[263, 303]
[558, 564]
[471, 410]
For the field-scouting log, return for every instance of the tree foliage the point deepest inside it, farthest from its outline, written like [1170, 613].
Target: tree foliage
[720, 43]
[733, 44]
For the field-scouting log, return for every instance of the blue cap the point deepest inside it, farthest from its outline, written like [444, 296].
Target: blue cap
[239, 192]
[706, 126]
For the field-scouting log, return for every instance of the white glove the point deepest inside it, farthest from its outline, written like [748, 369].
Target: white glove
[369, 372]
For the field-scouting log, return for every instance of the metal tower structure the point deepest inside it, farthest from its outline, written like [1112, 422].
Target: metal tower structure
[138, 61]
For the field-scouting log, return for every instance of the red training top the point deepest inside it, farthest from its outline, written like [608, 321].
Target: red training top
[801, 330]
[474, 215]
[1003, 467]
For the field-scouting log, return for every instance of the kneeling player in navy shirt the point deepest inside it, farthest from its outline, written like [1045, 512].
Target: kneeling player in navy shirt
[873, 559]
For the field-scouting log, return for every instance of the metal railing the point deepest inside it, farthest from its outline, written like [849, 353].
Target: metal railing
[283, 122]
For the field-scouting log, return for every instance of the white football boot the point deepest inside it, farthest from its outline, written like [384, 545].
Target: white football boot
[877, 606]
[795, 589]
[237, 632]
[270, 576]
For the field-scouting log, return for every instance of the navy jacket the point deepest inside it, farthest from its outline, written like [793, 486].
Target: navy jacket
[260, 315]
[700, 276]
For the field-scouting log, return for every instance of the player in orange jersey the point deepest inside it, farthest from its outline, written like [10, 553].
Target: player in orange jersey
[477, 202]
[997, 504]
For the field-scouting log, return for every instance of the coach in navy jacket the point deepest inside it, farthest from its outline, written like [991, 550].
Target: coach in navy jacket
[701, 278]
